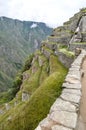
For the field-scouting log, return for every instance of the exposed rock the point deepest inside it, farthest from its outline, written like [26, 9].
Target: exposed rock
[9, 118]
[25, 76]
[1, 111]
[77, 51]
[38, 128]
[7, 106]
[25, 96]
[64, 118]
[34, 68]
[46, 53]
[67, 61]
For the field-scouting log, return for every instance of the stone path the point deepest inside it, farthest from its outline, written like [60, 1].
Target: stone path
[82, 117]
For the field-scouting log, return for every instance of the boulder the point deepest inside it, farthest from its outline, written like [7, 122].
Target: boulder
[25, 96]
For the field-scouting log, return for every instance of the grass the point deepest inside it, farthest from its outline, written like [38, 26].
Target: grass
[81, 43]
[67, 53]
[26, 116]
[47, 49]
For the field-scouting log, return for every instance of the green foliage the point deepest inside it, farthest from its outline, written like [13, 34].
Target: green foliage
[67, 53]
[16, 84]
[28, 63]
[26, 116]
[79, 43]
[17, 39]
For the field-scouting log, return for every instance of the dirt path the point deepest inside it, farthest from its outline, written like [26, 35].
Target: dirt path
[82, 118]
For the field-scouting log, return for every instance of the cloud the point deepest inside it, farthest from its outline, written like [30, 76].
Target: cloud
[52, 12]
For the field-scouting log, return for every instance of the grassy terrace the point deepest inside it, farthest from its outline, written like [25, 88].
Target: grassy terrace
[79, 43]
[26, 116]
[67, 53]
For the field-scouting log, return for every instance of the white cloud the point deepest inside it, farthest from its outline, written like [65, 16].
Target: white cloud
[52, 12]
[34, 25]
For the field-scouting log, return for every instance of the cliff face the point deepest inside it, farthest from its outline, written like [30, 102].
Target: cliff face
[40, 81]
[17, 40]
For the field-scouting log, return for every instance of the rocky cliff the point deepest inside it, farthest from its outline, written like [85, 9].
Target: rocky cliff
[40, 82]
[18, 39]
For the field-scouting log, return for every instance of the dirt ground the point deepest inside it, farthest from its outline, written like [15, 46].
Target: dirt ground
[82, 117]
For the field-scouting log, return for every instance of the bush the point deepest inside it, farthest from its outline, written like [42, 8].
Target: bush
[28, 63]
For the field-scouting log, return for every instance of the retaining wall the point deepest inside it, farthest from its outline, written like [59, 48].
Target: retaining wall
[73, 47]
[63, 113]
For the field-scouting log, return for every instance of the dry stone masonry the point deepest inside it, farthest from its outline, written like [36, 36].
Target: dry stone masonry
[63, 113]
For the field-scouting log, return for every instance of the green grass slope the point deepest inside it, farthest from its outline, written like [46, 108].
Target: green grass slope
[44, 91]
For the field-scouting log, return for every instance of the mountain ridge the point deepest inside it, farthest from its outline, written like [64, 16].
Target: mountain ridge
[18, 39]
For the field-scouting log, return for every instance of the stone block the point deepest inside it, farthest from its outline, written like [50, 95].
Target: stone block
[75, 86]
[67, 119]
[61, 105]
[71, 97]
[59, 127]
[72, 91]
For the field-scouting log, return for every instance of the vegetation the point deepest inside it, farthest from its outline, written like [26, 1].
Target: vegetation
[67, 53]
[17, 41]
[44, 87]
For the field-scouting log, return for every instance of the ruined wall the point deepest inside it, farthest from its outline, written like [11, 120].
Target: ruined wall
[63, 113]
[65, 60]
[72, 47]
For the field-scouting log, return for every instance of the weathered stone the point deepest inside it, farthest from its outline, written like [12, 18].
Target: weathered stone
[72, 80]
[71, 97]
[41, 61]
[46, 53]
[1, 111]
[9, 118]
[61, 105]
[25, 96]
[72, 91]
[75, 86]
[26, 76]
[67, 119]
[38, 128]
[46, 123]
[78, 77]
[7, 106]
[34, 68]
[65, 59]
[59, 127]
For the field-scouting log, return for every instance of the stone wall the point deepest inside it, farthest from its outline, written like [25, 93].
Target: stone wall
[64, 112]
[73, 47]
[65, 60]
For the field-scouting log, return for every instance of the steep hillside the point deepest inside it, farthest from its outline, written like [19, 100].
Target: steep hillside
[40, 86]
[40, 82]
[17, 40]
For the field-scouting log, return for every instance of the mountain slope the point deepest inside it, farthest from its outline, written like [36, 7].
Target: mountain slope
[17, 40]
[40, 82]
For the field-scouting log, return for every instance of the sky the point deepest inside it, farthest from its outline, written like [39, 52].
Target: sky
[52, 12]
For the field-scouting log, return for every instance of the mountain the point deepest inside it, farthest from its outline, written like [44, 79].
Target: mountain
[40, 82]
[18, 39]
